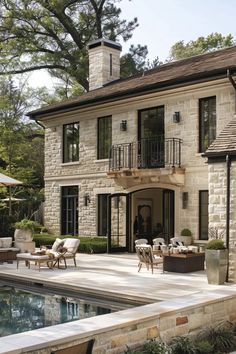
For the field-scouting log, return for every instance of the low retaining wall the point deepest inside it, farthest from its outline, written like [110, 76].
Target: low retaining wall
[132, 327]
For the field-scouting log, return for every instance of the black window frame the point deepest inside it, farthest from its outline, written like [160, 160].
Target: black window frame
[202, 131]
[76, 141]
[102, 198]
[203, 215]
[102, 150]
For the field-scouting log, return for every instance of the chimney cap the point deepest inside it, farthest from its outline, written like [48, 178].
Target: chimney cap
[105, 42]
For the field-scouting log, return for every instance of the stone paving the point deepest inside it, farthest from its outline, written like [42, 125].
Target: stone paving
[117, 273]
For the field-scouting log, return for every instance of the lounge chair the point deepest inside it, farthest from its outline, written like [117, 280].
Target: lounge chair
[145, 256]
[68, 247]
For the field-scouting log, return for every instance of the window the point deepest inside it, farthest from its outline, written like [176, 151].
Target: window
[104, 137]
[102, 214]
[203, 215]
[71, 142]
[207, 115]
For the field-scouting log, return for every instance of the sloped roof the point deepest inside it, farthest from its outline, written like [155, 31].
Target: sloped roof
[225, 143]
[207, 66]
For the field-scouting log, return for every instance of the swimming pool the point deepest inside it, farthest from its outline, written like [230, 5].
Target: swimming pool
[26, 308]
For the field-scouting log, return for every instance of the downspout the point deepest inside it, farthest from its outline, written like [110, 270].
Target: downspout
[233, 83]
[228, 164]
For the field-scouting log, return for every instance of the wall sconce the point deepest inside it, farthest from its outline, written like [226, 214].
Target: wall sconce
[123, 125]
[86, 200]
[184, 200]
[176, 117]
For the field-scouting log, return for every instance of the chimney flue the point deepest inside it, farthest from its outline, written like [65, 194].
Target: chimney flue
[104, 62]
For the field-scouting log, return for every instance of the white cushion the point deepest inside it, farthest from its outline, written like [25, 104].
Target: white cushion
[6, 242]
[58, 242]
[71, 244]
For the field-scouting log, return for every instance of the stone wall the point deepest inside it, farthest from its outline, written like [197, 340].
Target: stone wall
[132, 327]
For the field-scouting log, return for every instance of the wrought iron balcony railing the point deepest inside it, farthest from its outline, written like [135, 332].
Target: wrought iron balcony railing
[146, 153]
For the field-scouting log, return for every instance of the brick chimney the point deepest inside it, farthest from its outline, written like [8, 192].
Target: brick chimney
[104, 62]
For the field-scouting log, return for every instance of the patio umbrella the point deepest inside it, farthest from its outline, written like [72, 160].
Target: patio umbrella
[13, 199]
[7, 181]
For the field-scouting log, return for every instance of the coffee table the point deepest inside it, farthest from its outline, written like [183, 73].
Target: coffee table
[37, 259]
[183, 263]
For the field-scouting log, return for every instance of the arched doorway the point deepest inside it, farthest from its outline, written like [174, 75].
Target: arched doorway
[144, 213]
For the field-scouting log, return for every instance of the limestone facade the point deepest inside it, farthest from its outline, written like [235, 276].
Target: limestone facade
[90, 174]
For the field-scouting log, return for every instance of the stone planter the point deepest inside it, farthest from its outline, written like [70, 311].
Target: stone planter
[23, 240]
[216, 265]
[187, 240]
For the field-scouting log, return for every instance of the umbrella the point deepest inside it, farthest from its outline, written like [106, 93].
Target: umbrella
[12, 199]
[8, 181]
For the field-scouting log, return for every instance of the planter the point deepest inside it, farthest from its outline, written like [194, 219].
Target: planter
[216, 265]
[187, 240]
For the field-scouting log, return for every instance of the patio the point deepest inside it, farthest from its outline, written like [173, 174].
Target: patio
[185, 296]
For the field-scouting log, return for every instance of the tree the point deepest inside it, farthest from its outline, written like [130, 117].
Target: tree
[201, 45]
[21, 142]
[53, 35]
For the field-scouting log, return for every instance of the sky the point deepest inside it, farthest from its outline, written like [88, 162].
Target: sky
[164, 22]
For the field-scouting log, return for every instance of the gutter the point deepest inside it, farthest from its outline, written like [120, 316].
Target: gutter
[228, 165]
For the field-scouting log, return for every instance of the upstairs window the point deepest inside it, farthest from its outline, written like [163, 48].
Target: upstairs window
[207, 115]
[71, 142]
[104, 137]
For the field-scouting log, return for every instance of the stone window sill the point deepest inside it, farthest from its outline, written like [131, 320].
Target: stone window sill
[70, 163]
[102, 160]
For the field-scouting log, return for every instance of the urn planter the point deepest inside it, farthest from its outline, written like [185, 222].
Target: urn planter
[216, 265]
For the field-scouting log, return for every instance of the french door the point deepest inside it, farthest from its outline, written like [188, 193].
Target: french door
[118, 222]
[69, 210]
[168, 213]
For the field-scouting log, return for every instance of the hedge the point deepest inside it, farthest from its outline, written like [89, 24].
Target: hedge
[87, 244]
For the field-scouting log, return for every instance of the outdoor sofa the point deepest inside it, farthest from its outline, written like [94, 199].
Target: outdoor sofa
[7, 251]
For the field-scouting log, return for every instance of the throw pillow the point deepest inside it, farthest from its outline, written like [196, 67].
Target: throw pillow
[58, 242]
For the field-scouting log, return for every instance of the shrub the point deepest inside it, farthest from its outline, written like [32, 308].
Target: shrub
[87, 244]
[204, 347]
[186, 232]
[215, 245]
[182, 345]
[154, 347]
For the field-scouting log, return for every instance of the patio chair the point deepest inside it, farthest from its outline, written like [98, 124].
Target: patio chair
[157, 243]
[71, 245]
[141, 241]
[145, 256]
[82, 348]
[176, 241]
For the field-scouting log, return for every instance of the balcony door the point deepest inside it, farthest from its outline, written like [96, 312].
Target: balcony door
[151, 137]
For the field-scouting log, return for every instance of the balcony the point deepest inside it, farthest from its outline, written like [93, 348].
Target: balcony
[146, 153]
[149, 160]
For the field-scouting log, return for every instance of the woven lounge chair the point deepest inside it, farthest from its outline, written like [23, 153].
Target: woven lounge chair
[145, 256]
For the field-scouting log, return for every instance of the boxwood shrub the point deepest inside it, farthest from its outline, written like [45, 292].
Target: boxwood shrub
[87, 244]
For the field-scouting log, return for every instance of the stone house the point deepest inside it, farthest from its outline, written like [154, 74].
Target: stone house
[132, 157]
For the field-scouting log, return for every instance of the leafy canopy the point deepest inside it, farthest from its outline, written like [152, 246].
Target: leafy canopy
[53, 35]
[201, 45]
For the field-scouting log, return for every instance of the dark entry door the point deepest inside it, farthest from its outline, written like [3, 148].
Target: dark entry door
[118, 222]
[69, 210]
[168, 214]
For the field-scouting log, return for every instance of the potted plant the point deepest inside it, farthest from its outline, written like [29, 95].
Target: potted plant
[24, 229]
[186, 237]
[216, 256]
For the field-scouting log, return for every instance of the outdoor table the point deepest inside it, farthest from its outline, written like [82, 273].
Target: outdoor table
[183, 263]
[37, 259]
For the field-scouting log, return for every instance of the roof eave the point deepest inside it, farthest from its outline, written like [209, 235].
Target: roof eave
[190, 80]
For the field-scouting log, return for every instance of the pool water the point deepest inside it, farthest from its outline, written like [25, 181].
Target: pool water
[22, 310]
